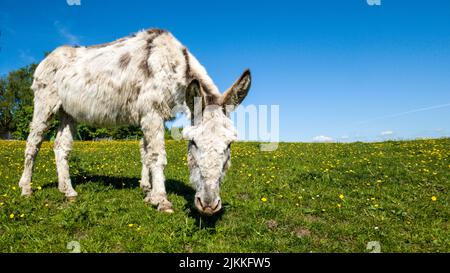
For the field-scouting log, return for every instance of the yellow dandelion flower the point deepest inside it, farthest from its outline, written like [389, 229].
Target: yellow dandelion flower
[11, 216]
[39, 188]
[14, 188]
[264, 199]
[433, 198]
[22, 215]
[341, 196]
[46, 205]
[130, 225]
[339, 205]
[376, 205]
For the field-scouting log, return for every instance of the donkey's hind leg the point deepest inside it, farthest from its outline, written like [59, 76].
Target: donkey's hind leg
[62, 148]
[44, 110]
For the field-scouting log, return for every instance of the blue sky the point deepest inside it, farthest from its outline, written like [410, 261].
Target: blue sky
[337, 69]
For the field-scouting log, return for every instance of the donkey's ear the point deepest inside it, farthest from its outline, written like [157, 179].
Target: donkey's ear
[238, 91]
[193, 95]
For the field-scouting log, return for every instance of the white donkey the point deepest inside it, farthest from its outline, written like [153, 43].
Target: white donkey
[136, 80]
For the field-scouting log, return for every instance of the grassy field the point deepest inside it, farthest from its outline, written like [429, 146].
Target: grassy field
[300, 198]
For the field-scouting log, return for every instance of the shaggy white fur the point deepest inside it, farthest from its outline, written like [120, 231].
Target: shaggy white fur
[135, 80]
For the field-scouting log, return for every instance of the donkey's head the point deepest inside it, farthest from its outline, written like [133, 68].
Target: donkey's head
[210, 138]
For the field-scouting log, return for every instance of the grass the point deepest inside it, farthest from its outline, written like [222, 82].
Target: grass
[299, 198]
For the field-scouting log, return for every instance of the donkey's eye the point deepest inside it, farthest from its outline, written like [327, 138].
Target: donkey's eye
[229, 146]
[193, 143]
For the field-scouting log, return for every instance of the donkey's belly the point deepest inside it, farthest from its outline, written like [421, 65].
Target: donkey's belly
[99, 107]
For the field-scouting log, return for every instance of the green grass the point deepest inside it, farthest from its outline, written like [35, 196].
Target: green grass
[384, 191]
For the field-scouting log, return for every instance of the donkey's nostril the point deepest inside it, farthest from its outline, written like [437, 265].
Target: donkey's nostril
[217, 205]
[199, 201]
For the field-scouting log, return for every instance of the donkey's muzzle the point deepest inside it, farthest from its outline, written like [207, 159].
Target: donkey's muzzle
[208, 208]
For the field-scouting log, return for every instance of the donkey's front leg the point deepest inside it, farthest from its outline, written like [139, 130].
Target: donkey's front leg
[154, 158]
[146, 185]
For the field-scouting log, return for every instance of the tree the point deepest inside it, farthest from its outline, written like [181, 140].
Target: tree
[6, 102]
[16, 98]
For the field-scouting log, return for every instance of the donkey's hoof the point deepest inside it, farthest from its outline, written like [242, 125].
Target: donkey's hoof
[154, 199]
[26, 192]
[166, 210]
[27, 195]
[71, 199]
[147, 199]
[165, 206]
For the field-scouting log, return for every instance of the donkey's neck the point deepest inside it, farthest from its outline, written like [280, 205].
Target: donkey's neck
[197, 71]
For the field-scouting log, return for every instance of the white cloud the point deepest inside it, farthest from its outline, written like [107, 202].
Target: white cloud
[66, 34]
[387, 133]
[323, 139]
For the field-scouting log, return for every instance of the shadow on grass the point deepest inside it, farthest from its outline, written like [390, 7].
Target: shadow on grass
[116, 182]
[172, 186]
[105, 180]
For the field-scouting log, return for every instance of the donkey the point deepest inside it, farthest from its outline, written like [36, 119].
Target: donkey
[136, 80]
